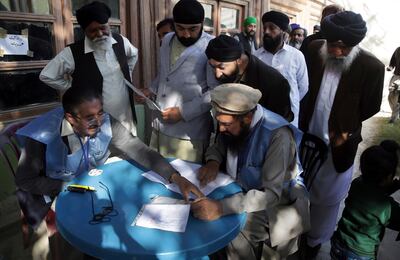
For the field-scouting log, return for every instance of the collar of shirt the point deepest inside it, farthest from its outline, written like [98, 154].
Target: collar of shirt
[285, 47]
[88, 48]
[257, 116]
[66, 128]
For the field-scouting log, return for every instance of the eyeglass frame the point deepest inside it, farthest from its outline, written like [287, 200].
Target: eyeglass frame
[108, 211]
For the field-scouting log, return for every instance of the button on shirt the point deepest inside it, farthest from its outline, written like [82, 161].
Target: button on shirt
[115, 93]
[291, 64]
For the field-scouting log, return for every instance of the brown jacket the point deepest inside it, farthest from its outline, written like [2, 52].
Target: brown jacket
[357, 98]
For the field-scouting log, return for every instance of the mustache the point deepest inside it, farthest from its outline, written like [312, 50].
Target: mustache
[100, 39]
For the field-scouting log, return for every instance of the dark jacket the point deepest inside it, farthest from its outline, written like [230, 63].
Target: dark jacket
[358, 97]
[274, 87]
[244, 41]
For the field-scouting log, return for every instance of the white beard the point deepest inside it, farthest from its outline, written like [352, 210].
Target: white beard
[343, 62]
[101, 43]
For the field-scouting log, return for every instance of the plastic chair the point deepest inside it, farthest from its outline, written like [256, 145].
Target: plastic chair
[313, 153]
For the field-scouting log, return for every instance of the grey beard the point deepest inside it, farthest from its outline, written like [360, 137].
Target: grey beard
[343, 63]
[102, 45]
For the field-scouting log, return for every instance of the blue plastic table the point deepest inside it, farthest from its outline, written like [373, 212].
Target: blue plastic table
[117, 239]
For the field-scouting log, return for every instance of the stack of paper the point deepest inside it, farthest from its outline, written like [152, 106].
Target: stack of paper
[189, 171]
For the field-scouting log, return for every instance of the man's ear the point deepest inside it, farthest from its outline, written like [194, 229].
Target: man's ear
[248, 118]
[70, 118]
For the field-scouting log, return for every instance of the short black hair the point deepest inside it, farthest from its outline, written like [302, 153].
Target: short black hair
[379, 161]
[77, 94]
[166, 21]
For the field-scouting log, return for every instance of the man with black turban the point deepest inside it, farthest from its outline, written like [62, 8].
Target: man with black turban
[232, 65]
[183, 127]
[103, 58]
[345, 89]
[288, 60]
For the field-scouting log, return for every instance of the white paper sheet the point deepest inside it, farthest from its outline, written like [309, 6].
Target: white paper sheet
[189, 171]
[14, 44]
[168, 217]
[150, 103]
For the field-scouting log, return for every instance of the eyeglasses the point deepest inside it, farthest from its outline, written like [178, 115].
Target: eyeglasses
[107, 212]
[99, 116]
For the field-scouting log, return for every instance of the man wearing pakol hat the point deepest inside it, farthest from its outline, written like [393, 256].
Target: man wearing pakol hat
[247, 38]
[297, 35]
[182, 86]
[346, 85]
[259, 151]
[103, 58]
[286, 59]
[232, 65]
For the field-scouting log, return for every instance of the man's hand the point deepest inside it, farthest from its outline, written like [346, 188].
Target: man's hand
[185, 186]
[171, 115]
[208, 172]
[147, 92]
[207, 209]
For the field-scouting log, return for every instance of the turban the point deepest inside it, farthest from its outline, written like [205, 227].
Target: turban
[188, 12]
[93, 12]
[224, 49]
[250, 20]
[234, 99]
[278, 18]
[294, 26]
[347, 26]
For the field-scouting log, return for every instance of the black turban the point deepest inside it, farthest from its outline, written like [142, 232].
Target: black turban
[278, 18]
[224, 49]
[188, 12]
[93, 12]
[346, 26]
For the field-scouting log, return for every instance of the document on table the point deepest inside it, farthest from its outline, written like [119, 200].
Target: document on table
[150, 103]
[168, 217]
[189, 171]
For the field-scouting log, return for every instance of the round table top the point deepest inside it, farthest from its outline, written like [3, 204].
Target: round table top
[129, 190]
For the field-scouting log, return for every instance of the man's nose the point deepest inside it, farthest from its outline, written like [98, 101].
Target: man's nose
[218, 73]
[186, 33]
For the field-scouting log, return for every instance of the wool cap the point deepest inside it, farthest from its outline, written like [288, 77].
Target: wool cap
[234, 99]
[224, 49]
[93, 12]
[250, 20]
[188, 12]
[346, 26]
[278, 18]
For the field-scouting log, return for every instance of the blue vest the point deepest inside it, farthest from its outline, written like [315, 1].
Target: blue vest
[252, 157]
[59, 164]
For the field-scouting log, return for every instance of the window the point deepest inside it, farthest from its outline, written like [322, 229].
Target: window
[113, 4]
[223, 17]
[25, 6]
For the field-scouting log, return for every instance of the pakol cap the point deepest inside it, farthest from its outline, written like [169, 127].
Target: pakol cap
[234, 99]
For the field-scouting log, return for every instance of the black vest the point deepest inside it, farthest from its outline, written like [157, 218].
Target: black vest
[245, 42]
[86, 68]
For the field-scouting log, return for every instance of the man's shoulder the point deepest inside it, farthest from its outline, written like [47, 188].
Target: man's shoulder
[263, 68]
[370, 60]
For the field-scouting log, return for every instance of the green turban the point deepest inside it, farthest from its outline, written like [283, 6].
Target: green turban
[250, 20]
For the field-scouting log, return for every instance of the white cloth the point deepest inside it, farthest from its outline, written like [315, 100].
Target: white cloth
[291, 64]
[319, 122]
[232, 156]
[115, 93]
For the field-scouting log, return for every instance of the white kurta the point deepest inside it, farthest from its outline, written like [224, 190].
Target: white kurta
[115, 93]
[291, 64]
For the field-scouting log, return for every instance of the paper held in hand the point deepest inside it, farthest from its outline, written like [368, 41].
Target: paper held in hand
[189, 171]
[150, 103]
